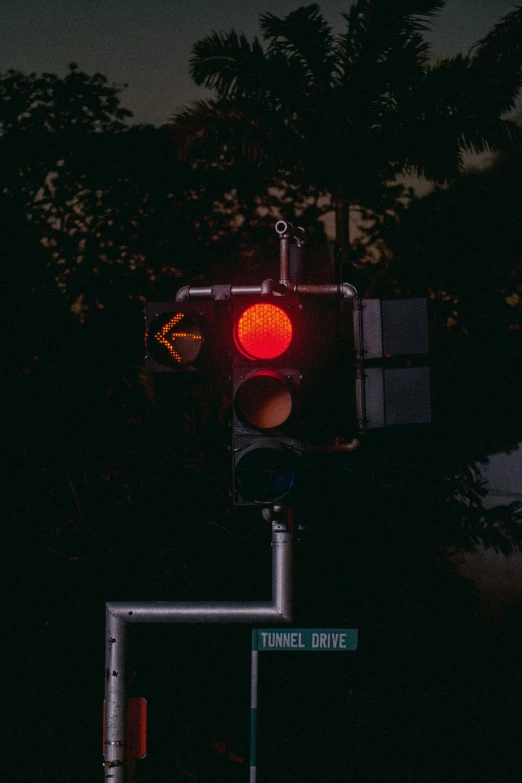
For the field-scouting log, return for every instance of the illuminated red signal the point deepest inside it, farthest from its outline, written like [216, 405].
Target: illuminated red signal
[263, 331]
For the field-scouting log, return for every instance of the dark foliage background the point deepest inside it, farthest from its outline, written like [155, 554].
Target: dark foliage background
[115, 480]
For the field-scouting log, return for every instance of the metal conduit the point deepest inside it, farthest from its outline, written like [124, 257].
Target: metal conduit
[120, 613]
[346, 290]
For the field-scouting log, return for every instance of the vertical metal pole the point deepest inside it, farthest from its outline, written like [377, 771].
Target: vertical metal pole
[283, 566]
[285, 231]
[284, 261]
[253, 710]
[115, 700]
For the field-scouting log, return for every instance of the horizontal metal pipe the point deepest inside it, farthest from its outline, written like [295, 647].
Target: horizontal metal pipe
[279, 609]
[246, 290]
[196, 292]
[346, 290]
[317, 289]
[195, 611]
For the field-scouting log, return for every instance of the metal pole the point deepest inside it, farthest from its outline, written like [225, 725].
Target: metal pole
[285, 231]
[119, 613]
[253, 710]
[115, 700]
[283, 567]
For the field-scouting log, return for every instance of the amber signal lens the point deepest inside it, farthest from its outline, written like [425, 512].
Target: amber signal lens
[174, 339]
[264, 400]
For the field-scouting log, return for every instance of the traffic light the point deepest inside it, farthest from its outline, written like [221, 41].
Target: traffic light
[294, 373]
[187, 355]
[395, 377]
[266, 388]
[182, 337]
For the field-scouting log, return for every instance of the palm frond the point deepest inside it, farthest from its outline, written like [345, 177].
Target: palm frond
[497, 60]
[229, 131]
[304, 36]
[344, 111]
[227, 62]
[447, 113]
[418, 14]
[504, 39]
[200, 128]
[375, 27]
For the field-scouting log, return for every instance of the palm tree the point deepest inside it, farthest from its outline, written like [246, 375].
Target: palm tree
[346, 114]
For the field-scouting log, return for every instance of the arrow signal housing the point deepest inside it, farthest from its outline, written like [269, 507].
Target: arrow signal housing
[181, 337]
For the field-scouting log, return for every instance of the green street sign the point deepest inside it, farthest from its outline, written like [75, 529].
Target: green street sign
[301, 639]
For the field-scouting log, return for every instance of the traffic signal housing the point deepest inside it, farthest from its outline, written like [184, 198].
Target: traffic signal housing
[266, 391]
[182, 337]
[395, 377]
[288, 368]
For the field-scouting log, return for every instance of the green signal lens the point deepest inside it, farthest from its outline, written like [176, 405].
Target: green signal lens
[264, 475]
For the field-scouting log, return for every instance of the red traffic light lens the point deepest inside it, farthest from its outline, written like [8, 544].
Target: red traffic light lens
[264, 331]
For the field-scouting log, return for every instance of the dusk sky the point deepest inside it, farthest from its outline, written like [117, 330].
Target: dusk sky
[146, 43]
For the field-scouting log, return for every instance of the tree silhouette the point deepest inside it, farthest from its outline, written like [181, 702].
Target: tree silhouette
[96, 211]
[344, 115]
[92, 213]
